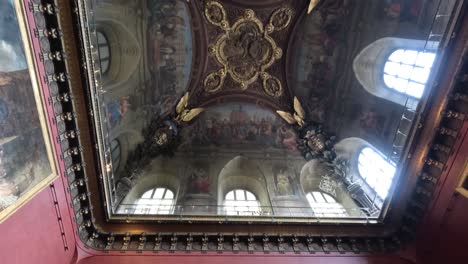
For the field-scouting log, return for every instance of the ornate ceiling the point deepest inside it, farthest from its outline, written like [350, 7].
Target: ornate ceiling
[245, 86]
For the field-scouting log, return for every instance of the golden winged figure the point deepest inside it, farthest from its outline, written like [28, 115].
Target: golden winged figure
[184, 114]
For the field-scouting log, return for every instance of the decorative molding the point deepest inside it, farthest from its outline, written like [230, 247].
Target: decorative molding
[96, 238]
[246, 50]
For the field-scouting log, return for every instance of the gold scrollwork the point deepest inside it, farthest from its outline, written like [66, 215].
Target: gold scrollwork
[271, 85]
[245, 50]
[214, 81]
[216, 14]
[280, 19]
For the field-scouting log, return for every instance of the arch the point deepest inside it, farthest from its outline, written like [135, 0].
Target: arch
[369, 65]
[242, 173]
[318, 177]
[350, 149]
[241, 202]
[104, 52]
[125, 51]
[156, 175]
[157, 200]
[324, 205]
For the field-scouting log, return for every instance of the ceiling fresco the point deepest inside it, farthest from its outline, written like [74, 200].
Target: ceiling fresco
[279, 100]
[274, 126]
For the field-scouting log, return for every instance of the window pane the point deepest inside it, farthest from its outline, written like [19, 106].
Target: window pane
[408, 68]
[376, 171]
[405, 71]
[250, 196]
[230, 195]
[425, 59]
[420, 74]
[391, 68]
[409, 57]
[397, 56]
[415, 89]
[236, 204]
[158, 194]
[240, 195]
[390, 81]
[169, 194]
[147, 194]
[328, 198]
[318, 197]
[401, 85]
[327, 208]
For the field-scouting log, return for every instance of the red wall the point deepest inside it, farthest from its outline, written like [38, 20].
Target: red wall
[32, 235]
[443, 237]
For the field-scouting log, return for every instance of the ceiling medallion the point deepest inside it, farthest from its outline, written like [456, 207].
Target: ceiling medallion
[246, 50]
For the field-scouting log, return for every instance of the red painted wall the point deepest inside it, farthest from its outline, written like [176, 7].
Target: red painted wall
[32, 235]
[443, 237]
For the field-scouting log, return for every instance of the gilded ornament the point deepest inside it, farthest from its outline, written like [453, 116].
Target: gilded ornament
[298, 117]
[185, 114]
[245, 50]
[216, 14]
[281, 18]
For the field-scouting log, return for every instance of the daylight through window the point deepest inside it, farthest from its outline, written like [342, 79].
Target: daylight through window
[376, 171]
[407, 71]
[156, 201]
[324, 205]
[241, 202]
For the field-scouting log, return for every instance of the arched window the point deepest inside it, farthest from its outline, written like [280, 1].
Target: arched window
[156, 201]
[324, 205]
[104, 52]
[407, 71]
[376, 171]
[241, 202]
[115, 154]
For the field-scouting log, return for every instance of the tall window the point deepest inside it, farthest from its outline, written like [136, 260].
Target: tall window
[407, 71]
[241, 202]
[104, 52]
[376, 171]
[115, 154]
[324, 205]
[156, 201]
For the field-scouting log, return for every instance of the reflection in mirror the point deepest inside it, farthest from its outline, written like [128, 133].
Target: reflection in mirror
[229, 154]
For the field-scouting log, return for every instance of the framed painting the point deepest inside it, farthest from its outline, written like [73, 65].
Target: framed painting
[27, 162]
